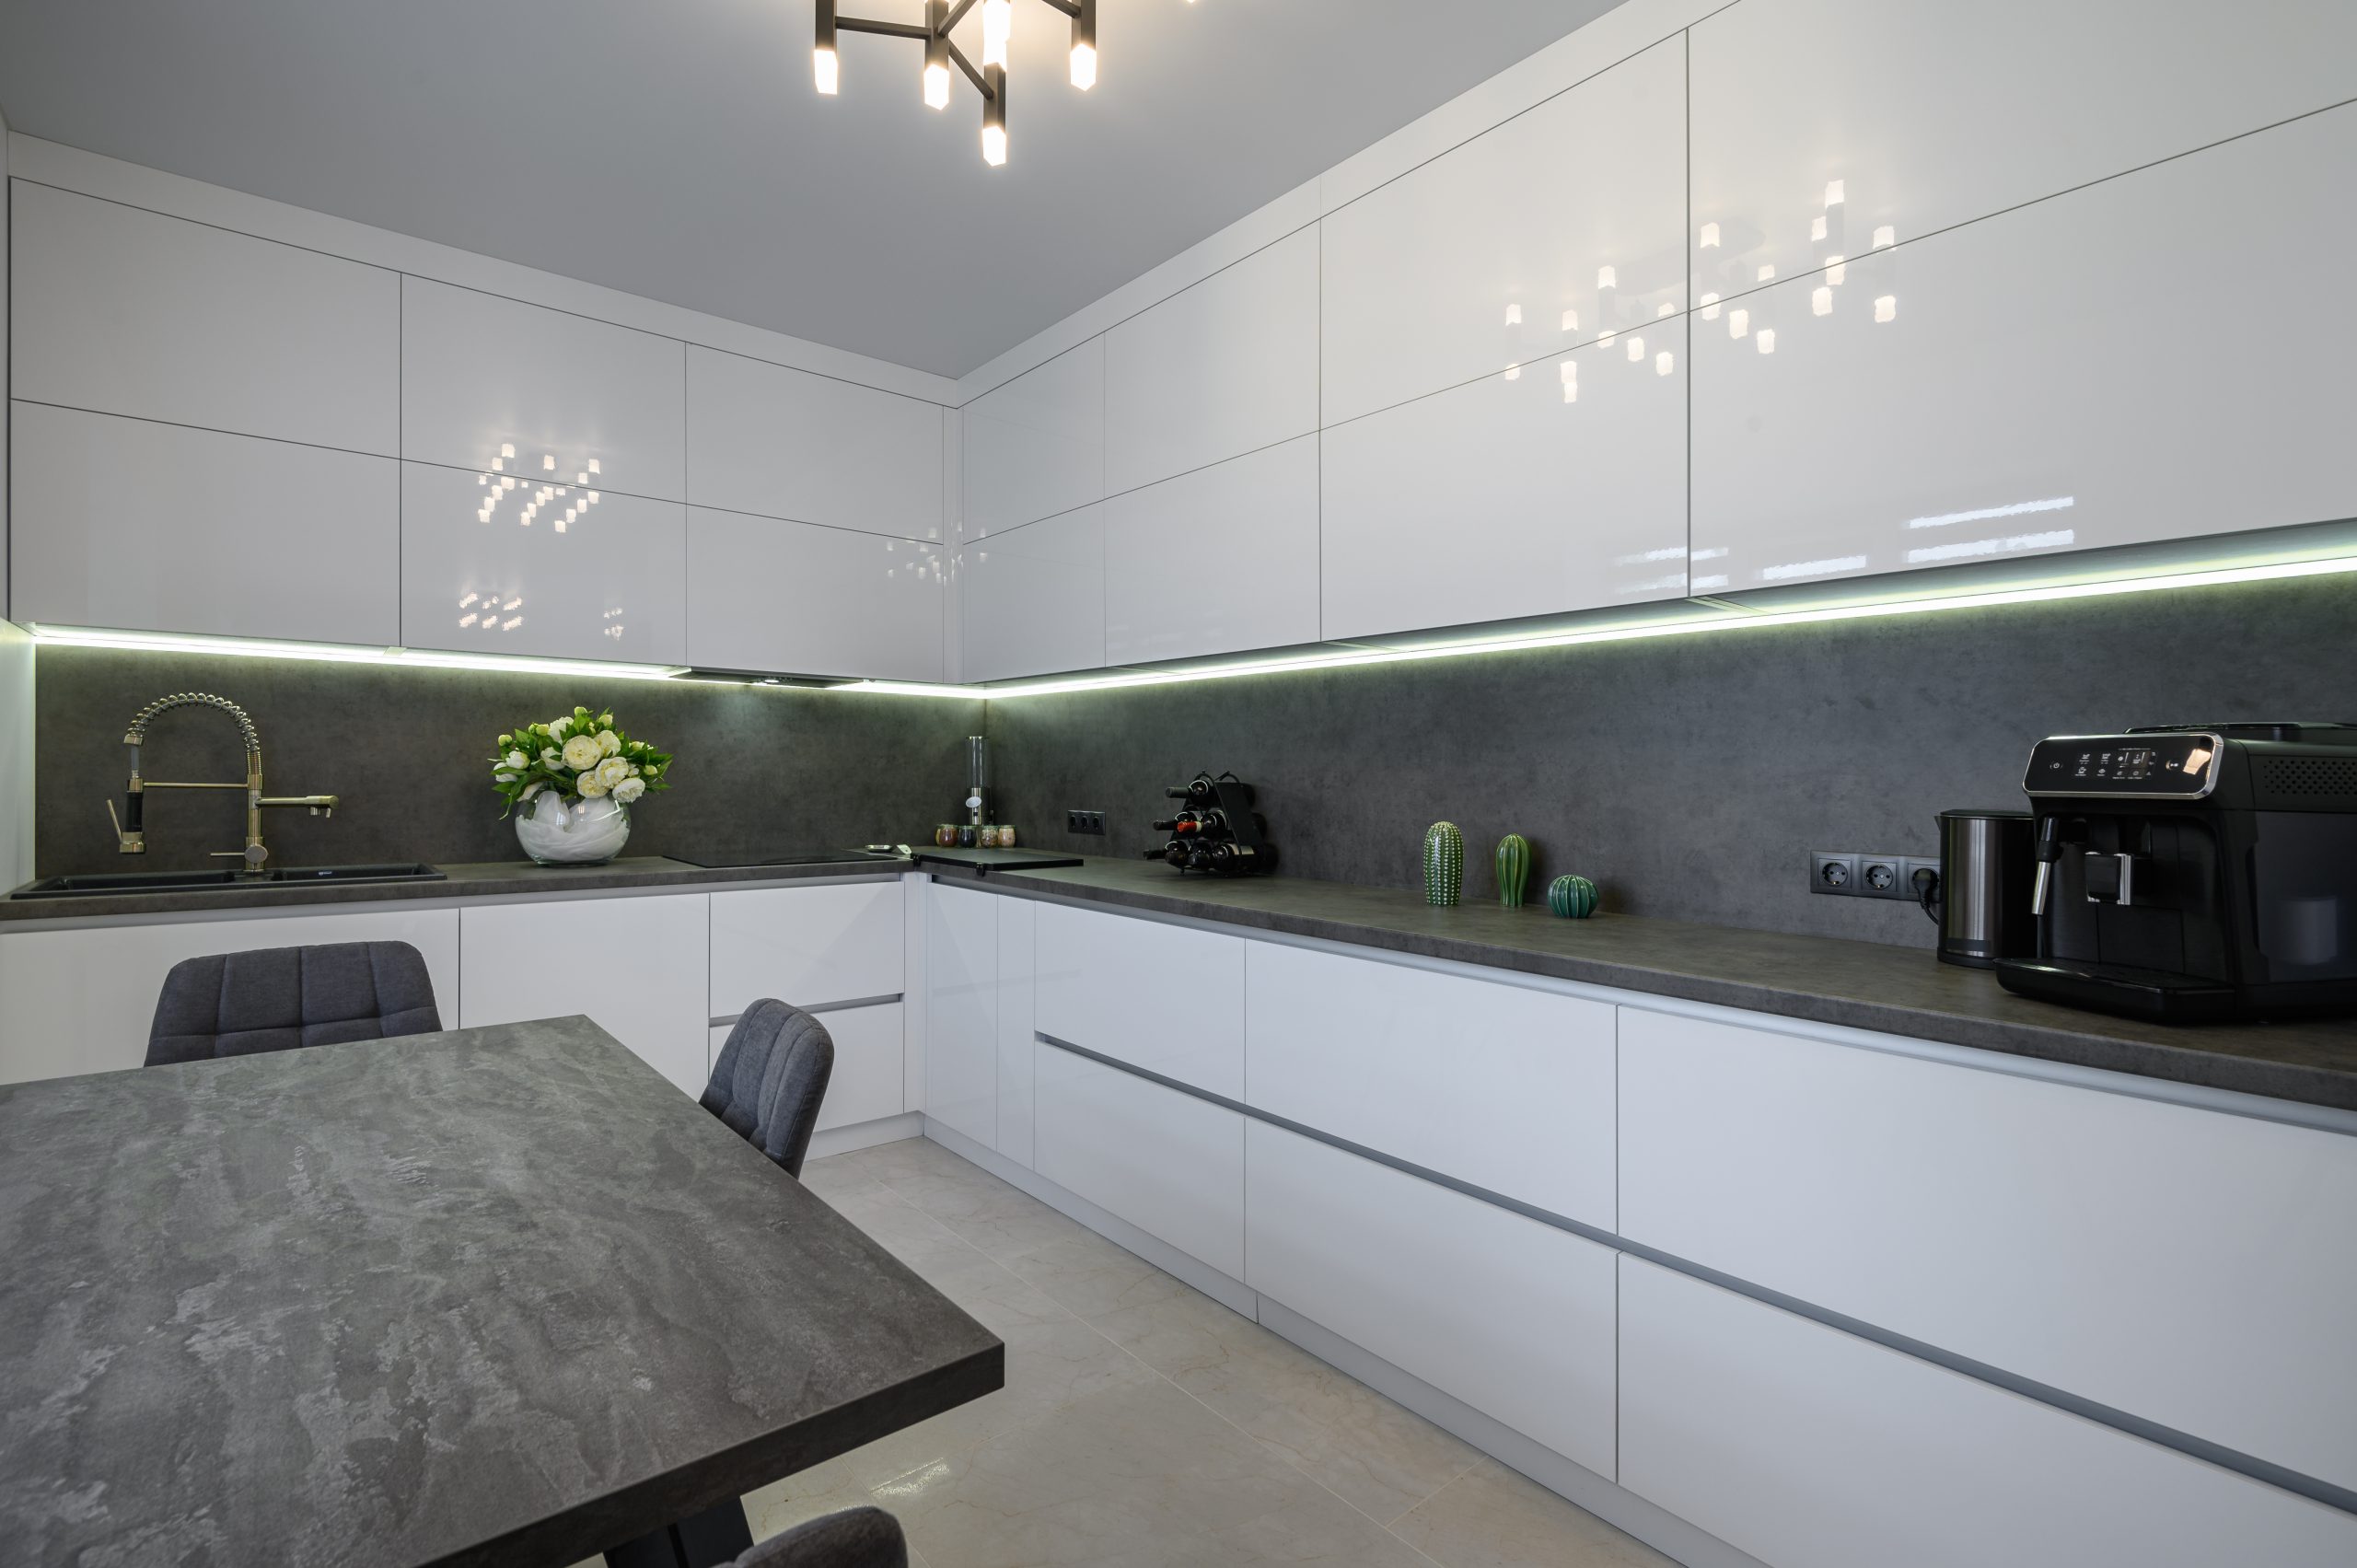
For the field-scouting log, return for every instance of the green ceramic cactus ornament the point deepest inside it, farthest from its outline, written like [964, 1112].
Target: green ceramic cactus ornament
[1444, 864]
[1514, 870]
[1573, 898]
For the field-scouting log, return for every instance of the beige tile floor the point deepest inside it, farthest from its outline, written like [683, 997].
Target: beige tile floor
[1144, 1425]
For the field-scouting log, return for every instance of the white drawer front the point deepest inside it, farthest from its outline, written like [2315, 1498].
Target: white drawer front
[1810, 1448]
[1511, 1316]
[1167, 998]
[961, 1022]
[639, 968]
[83, 1001]
[2184, 1266]
[866, 1082]
[1015, 922]
[805, 946]
[1166, 1162]
[1501, 1087]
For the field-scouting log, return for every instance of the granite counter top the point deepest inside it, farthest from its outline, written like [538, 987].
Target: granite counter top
[497, 879]
[1866, 985]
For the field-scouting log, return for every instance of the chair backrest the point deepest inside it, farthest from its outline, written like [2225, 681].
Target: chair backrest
[770, 1080]
[282, 998]
[857, 1538]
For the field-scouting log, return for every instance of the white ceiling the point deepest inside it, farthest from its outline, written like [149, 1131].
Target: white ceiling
[677, 149]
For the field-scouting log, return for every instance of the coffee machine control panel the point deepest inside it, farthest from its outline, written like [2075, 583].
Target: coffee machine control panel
[2135, 766]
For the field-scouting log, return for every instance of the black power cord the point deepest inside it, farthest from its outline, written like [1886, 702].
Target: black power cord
[1927, 892]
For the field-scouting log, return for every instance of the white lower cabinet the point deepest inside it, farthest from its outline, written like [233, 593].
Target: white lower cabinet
[1166, 1162]
[793, 599]
[961, 1023]
[639, 966]
[1167, 998]
[868, 1081]
[2118, 1247]
[1509, 1314]
[157, 527]
[1808, 1448]
[1500, 1086]
[805, 946]
[1017, 919]
[81, 1001]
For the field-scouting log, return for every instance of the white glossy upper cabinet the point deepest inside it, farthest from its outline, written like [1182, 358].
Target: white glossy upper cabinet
[2053, 378]
[784, 442]
[1257, 514]
[1031, 601]
[1925, 115]
[1036, 446]
[1224, 367]
[572, 396]
[124, 311]
[158, 528]
[609, 582]
[790, 598]
[1560, 487]
[1533, 238]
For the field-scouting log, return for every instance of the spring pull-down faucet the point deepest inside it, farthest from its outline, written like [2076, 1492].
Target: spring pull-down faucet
[130, 827]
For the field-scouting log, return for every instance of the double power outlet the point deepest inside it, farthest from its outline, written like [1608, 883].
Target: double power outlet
[1868, 876]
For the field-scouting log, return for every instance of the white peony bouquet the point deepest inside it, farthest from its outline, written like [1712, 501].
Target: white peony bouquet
[581, 757]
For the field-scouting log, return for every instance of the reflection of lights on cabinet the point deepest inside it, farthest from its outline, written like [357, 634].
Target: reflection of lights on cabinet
[1837, 271]
[1834, 195]
[1636, 350]
[1767, 340]
[1513, 372]
[1738, 322]
[1886, 236]
[1571, 382]
[548, 462]
[1708, 239]
[1887, 307]
[1607, 278]
[1570, 321]
[507, 448]
[1664, 363]
[1666, 309]
[1709, 303]
[594, 468]
[1767, 273]
[466, 620]
[1820, 302]
[1816, 227]
[511, 623]
[1513, 315]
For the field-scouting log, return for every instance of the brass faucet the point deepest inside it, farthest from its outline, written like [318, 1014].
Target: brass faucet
[129, 828]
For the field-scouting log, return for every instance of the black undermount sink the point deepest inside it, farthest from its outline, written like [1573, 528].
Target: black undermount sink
[103, 882]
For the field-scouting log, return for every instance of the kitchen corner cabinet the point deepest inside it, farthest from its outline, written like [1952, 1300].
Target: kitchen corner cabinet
[639, 966]
[120, 311]
[481, 372]
[159, 528]
[961, 1025]
[1035, 447]
[612, 585]
[792, 599]
[83, 1000]
[1800, 1444]
[1253, 522]
[1559, 487]
[1223, 368]
[1032, 599]
[785, 443]
[2091, 424]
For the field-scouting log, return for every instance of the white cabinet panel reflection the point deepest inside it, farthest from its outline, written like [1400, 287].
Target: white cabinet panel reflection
[1821, 126]
[1250, 523]
[539, 394]
[1036, 446]
[1034, 598]
[1560, 224]
[785, 443]
[543, 570]
[1558, 486]
[792, 599]
[2010, 389]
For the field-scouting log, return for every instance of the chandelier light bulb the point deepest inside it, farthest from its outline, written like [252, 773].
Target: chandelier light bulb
[936, 85]
[1084, 46]
[998, 28]
[994, 116]
[936, 54]
[822, 67]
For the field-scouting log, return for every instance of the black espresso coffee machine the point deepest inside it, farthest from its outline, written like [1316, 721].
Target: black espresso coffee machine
[2194, 872]
[1215, 829]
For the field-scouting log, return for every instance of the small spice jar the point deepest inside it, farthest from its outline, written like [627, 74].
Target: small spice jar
[946, 835]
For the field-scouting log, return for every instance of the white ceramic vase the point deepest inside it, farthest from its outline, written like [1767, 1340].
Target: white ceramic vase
[586, 832]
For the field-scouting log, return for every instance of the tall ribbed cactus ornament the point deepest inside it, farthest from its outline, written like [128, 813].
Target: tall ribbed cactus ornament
[1514, 870]
[1444, 864]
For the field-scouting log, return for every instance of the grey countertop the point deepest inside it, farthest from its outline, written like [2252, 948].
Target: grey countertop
[1866, 985]
[497, 879]
[493, 1296]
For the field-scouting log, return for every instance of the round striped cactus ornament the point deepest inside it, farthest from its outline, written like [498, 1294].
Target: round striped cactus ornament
[1573, 898]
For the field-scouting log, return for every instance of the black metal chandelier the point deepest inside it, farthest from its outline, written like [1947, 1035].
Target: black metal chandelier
[940, 54]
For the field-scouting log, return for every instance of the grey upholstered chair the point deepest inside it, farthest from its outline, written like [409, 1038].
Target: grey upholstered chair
[283, 998]
[857, 1538]
[770, 1080]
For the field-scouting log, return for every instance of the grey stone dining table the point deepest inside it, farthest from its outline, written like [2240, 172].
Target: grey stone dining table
[491, 1295]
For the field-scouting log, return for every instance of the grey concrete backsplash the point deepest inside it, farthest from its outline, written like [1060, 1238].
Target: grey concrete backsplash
[405, 748]
[1691, 777]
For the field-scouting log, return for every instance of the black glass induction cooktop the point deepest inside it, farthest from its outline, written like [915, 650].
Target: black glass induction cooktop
[864, 855]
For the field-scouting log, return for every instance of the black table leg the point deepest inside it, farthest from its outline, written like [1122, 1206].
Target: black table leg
[705, 1539]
